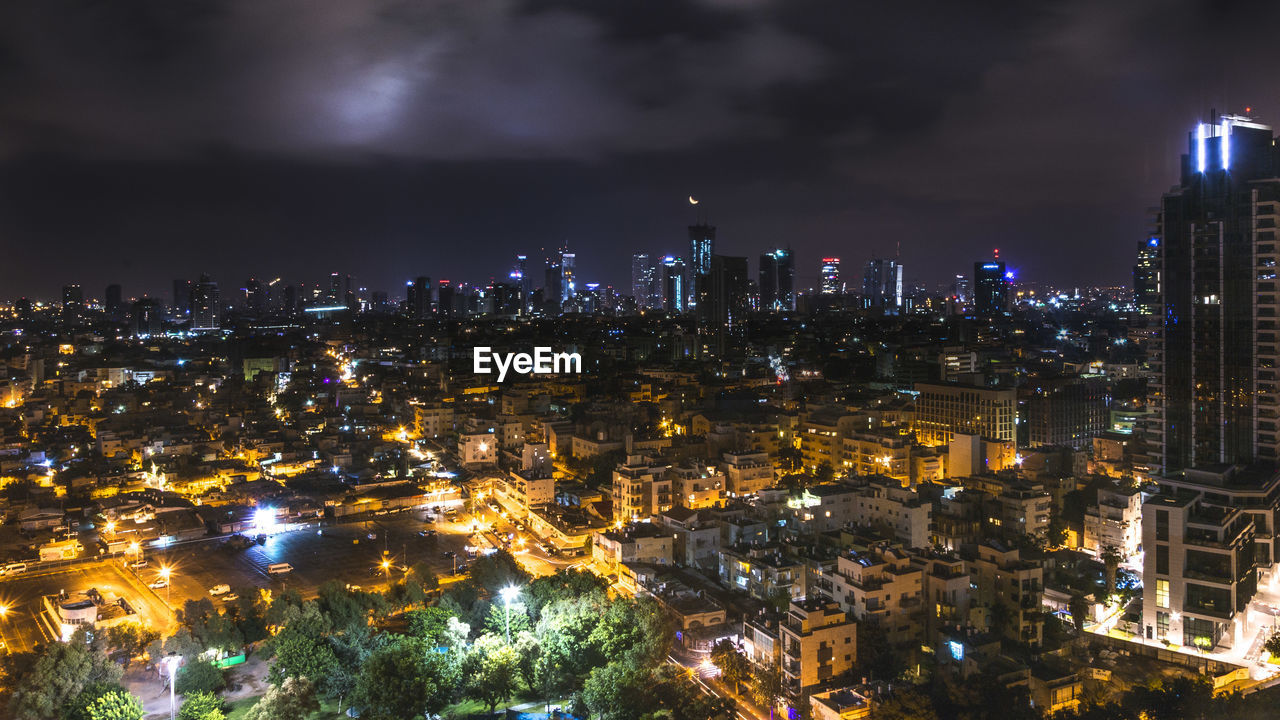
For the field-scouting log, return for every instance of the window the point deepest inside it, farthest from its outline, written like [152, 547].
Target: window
[1162, 559]
[1162, 593]
[1162, 624]
[1162, 524]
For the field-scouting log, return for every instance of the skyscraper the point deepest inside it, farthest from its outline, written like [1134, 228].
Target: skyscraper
[642, 281]
[830, 274]
[1216, 398]
[255, 297]
[882, 285]
[960, 289]
[148, 318]
[674, 292]
[702, 245]
[553, 288]
[777, 281]
[446, 299]
[72, 298]
[520, 277]
[568, 271]
[181, 298]
[206, 310]
[990, 289]
[1146, 277]
[114, 302]
[419, 297]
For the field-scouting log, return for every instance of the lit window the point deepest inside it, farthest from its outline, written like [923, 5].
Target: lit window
[1162, 593]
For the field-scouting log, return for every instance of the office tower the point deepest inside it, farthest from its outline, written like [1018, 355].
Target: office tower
[674, 291]
[419, 297]
[148, 318]
[72, 298]
[882, 285]
[830, 274]
[702, 245]
[944, 410]
[777, 281]
[114, 302]
[644, 282]
[291, 304]
[1215, 241]
[1146, 278]
[446, 299]
[960, 289]
[568, 268]
[553, 288]
[255, 297]
[990, 289]
[181, 297]
[524, 283]
[379, 302]
[1066, 412]
[723, 301]
[206, 307]
[23, 308]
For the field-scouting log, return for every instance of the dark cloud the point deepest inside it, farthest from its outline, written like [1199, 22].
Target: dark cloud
[387, 138]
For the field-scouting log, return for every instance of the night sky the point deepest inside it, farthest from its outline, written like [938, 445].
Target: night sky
[144, 141]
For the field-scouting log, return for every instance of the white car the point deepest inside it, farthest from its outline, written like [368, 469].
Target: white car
[217, 590]
[159, 584]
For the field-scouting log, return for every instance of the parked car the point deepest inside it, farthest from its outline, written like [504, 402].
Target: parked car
[221, 589]
[159, 584]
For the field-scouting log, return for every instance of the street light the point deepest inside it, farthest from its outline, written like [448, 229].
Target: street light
[164, 573]
[509, 593]
[172, 661]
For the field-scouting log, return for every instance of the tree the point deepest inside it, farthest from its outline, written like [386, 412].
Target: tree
[906, 705]
[430, 623]
[201, 706]
[78, 707]
[404, 679]
[198, 676]
[300, 647]
[733, 665]
[293, 699]
[115, 705]
[491, 670]
[617, 691]
[61, 673]
[767, 687]
[1110, 562]
[1079, 608]
[131, 638]
[1272, 645]
[500, 615]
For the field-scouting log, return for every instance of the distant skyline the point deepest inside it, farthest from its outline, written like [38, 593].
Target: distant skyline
[144, 142]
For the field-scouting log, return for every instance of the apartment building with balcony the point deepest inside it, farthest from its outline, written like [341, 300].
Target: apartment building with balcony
[763, 572]
[1010, 590]
[881, 585]
[883, 452]
[821, 436]
[746, 473]
[1198, 573]
[696, 486]
[883, 503]
[818, 646]
[946, 593]
[1115, 520]
[640, 488]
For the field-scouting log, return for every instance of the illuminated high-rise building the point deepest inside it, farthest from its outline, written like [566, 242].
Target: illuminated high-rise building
[643, 282]
[568, 279]
[520, 278]
[148, 318]
[830, 274]
[446, 299]
[255, 297]
[960, 288]
[72, 298]
[702, 245]
[1217, 398]
[206, 309]
[990, 289]
[673, 280]
[882, 285]
[1146, 277]
[418, 297]
[777, 281]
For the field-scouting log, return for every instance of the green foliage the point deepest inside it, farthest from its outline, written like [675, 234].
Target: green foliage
[430, 623]
[301, 650]
[199, 676]
[500, 615]
[767, 687]
[906, 704]
[201, 706]
[78, 707]
[566, 584]
[406, 678]
[210, 627]
[61, 673]
[733, 665]
[1272, 645]
[344, 608]
[634, 630]
[114, 705]
[131, 638]
[180, 643]
[621, 692]
[292, 699]
[492, 670]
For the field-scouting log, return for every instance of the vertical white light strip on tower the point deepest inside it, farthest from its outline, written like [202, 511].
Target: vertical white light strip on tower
[1200, 136]
[1226, 143]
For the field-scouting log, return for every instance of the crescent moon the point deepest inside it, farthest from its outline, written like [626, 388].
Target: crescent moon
[692, 201]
